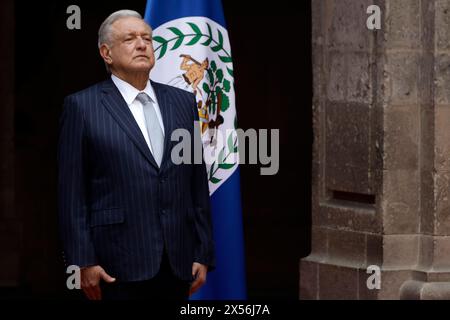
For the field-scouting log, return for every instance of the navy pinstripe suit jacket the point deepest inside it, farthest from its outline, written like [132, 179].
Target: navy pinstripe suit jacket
[116, 207]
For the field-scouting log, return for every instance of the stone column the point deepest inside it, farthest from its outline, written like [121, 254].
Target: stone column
[381, 111]
[9, 223]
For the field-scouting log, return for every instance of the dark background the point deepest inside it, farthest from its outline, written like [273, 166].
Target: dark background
[272, 63]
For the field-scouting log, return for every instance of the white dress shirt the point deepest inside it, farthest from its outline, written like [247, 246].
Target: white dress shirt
[129, 94]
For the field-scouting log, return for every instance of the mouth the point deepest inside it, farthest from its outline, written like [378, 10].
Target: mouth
[141, 56]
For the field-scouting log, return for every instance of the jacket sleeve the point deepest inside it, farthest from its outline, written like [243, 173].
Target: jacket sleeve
[72, 199]
[205, 250]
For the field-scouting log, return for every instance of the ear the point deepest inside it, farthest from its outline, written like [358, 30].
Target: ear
[105, 52]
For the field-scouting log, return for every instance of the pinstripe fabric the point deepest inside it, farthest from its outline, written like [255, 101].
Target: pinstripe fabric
[116, 207]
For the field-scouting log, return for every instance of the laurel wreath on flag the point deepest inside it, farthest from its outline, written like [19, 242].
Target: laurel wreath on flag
[218, 86]
[221, 160]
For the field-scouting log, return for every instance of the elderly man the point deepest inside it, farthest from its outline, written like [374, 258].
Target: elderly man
[138, 225]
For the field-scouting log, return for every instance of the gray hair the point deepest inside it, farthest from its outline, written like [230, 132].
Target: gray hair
[104, 33]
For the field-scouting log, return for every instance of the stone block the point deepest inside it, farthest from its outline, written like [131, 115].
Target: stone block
[436, 291]
[400, 251]
[442, 24]
[351, 216]
[319, 241]
[442, 170]
[400, 202]
[426, 249]
[317, 16]
[337, 283]
[427, 169]
[441, 260]
[403, 24]
[442, 79]
[402, 76]
[348, 24]
[348, 148]
[436, 276]
[337, 76]
[320, 217]
[374, 249]
[316, 182]
[359, 84]
[308, 280]
[401, 139]
[317, 74]
[347, 247]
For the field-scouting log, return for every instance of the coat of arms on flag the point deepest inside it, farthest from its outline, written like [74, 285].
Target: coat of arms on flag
[200, 62]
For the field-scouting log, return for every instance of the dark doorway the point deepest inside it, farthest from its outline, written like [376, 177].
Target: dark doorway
[272, 59]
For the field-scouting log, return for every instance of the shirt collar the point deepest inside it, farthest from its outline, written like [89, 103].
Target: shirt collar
[129, 93]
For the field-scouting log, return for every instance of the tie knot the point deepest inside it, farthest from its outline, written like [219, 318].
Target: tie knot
[143, 98]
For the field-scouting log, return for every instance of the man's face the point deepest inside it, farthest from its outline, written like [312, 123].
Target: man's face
[131, 48]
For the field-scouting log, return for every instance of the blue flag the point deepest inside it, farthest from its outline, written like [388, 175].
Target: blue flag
[192, 52]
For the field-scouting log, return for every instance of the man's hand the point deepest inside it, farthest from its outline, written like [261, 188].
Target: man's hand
[90, 281]
[199, 273]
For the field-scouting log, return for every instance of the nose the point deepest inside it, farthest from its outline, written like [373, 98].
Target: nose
[140, 44]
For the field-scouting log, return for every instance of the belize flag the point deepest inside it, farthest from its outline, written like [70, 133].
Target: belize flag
[192, 51]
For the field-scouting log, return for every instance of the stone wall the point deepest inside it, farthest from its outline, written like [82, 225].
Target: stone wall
[381, 150]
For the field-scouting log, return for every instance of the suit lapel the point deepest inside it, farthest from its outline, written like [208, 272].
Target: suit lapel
[116, 105]
[166, 108]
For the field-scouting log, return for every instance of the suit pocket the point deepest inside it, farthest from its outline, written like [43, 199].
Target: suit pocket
[107, 217]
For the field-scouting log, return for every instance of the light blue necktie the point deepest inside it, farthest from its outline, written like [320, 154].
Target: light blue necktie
[154, 130]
